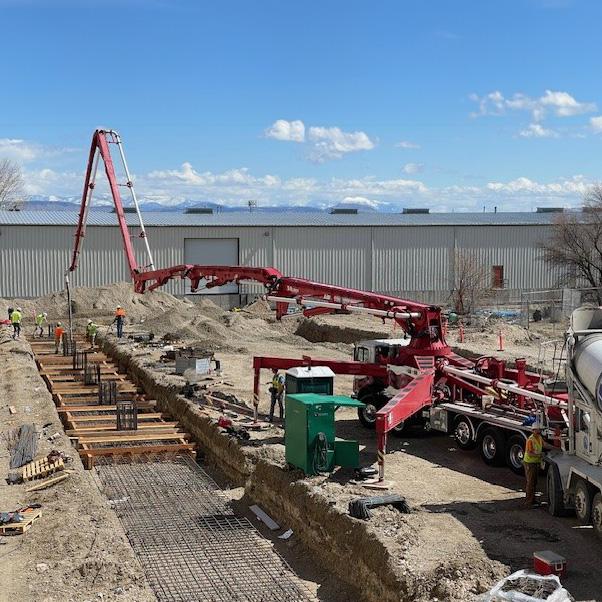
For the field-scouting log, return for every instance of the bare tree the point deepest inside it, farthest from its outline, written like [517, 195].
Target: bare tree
[575, 245]
[11, 185]
[471, 281]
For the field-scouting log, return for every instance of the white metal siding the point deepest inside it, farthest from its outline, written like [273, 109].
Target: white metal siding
[412, 260]
[333, 255]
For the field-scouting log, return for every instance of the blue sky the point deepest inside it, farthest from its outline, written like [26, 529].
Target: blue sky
[452, 105]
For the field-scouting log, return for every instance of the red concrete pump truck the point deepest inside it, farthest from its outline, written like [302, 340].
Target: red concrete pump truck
[486, 403]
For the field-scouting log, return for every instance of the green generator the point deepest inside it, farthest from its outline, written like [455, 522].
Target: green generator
[309, 438]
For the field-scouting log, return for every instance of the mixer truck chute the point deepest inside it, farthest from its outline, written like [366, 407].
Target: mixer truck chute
[574, 477]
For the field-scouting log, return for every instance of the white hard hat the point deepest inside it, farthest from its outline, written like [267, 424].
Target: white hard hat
[536, 425]
[119, 307]
[45, 314]
[89, 321]
[18, 309]
[58, 323]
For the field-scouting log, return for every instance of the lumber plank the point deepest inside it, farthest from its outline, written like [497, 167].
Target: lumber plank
[117, 437]
[147, 416]
[136, 449]
[94, 430]
[142, 405]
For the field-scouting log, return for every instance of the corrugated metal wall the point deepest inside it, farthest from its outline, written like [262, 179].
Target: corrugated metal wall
[413, 261]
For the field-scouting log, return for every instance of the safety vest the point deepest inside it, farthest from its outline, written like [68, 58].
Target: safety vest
[533, 449]
[59, 331]
[91, 328]
[40, 319]
[278, 383]
[15, 317]
[120, 313]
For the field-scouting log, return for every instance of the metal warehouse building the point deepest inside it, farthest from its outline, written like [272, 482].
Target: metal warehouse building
[405, 254]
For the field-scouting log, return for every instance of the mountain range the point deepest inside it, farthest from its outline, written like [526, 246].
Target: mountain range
[72, 203]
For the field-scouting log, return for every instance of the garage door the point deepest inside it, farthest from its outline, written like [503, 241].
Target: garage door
[212, 251]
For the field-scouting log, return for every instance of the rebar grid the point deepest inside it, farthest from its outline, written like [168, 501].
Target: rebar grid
[191, 544]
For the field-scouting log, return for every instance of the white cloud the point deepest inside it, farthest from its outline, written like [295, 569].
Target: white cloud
[333, 143]
[536, 130]
[412, 168]
[289, 131]
[560, 104]
[323, 143]
[25, 151]
[596, 124]
[573, 187]
[407, 144]
[361, 201]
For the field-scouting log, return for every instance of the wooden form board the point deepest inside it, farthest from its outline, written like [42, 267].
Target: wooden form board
[92, 427]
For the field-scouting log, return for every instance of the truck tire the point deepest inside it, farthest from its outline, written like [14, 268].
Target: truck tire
[554, 491]
[597, 514]
[492, 445]
[463, 433]
[367, 413]
[515, 450]
[583, 502]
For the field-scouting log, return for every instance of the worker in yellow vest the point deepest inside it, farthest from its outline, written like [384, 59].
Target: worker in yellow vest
[277, 394]
[532, 459]
[40, 321]
[91, 331]
[15, 319]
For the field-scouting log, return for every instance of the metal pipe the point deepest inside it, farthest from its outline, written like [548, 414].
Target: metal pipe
[502, 385]
[130, 185]
[350, 308]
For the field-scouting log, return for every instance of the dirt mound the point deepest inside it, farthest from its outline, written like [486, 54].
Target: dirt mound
[317, 330]
[260, 308]
[99, 302]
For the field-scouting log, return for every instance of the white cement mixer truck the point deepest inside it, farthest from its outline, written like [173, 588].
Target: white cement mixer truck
[574, 476]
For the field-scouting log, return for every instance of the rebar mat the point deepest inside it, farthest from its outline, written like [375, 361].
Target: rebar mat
[190, 543]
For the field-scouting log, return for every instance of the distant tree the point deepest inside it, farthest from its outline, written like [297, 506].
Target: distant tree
[11, 185]
[471, 282]
[575, 245]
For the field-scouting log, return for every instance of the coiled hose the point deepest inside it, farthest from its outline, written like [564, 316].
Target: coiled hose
[320, 460]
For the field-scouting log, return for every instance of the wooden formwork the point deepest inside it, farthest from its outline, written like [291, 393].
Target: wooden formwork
[92, 427]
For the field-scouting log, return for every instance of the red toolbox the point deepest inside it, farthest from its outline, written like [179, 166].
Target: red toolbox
[547, 562]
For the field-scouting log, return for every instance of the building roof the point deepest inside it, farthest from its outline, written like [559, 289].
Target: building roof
[265, 219]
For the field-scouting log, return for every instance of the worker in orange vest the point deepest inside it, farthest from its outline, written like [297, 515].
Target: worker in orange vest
[119, 320]
[59, 333]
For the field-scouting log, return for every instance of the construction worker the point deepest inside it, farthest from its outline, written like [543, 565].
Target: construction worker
[277, 393]
[119, 320]
[40, 320]
[532, 459]
[15, 320]
[59, 333]
[91, 330]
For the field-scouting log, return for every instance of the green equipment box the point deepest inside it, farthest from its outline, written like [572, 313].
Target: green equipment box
[309, 438]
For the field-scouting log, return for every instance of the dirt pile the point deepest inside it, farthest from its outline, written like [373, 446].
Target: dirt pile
[349, 329]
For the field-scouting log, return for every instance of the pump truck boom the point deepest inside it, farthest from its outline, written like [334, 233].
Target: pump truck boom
[423, 376]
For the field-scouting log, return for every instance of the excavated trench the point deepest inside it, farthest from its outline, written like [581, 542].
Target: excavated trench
[344, 546]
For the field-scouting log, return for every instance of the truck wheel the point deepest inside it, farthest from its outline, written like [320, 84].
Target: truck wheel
[597, 514]
[492, 446]
[515, 450]
[367, 415]
[554, 491]
[583, 502]
[464, 433]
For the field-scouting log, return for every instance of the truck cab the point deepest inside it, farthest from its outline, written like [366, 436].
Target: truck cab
[368, 389]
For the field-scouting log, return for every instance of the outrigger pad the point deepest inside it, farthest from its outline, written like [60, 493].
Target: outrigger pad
[360, 507]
